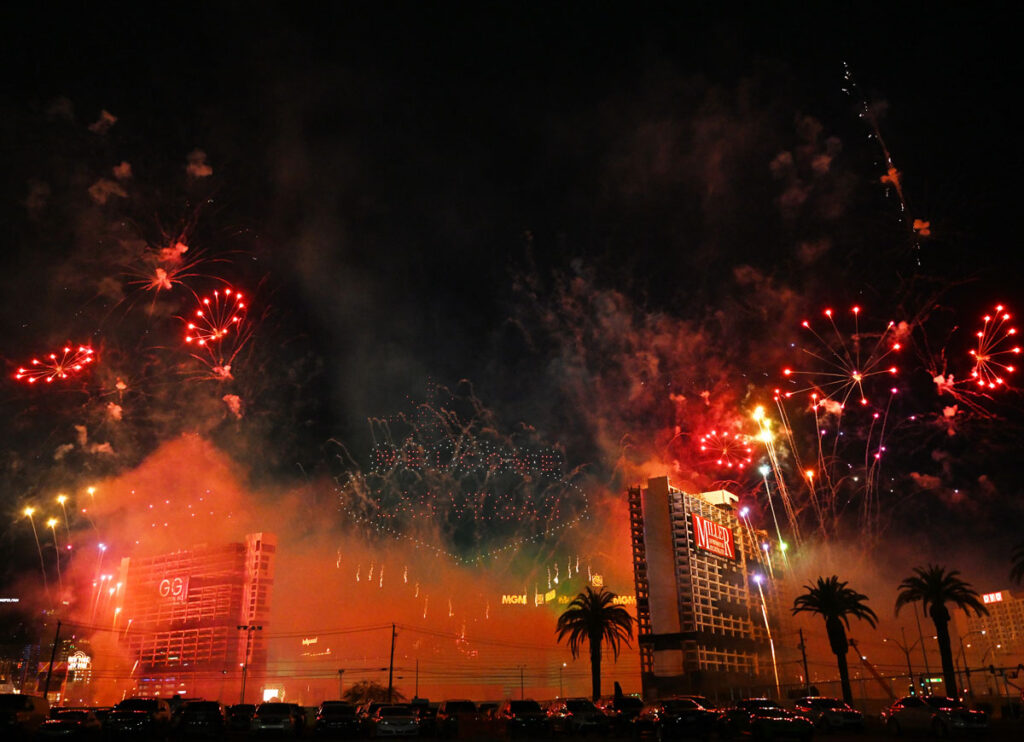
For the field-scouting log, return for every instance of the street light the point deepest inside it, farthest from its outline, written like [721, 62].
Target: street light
[248, 629]
[906, 651]
[561, 693]
[963, 655]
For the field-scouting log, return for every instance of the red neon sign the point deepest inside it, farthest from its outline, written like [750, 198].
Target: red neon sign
[713, 537]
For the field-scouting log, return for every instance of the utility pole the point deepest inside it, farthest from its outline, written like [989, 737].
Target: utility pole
[391, 666]
[807, 674]
[416, 693]
[341, 674]
[53, 655]
[521, 691]
[248, 629]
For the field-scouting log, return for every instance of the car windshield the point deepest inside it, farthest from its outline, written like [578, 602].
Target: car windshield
[201, 706]
[15, 702]
[681, 704]
[138, 704]
[395, 711]
[338, 709]
[581, 705]
[72, 715]
[827, 703]
[759, 703]
[941, 702]
[273, 708]
[459, 707]
[524, 707]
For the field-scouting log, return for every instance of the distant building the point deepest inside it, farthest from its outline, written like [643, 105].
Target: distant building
[701, 618]
[996, 639]
[191, 620]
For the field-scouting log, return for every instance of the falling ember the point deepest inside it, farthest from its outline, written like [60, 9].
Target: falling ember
[995, 340]
[69, 362]
[726, 450]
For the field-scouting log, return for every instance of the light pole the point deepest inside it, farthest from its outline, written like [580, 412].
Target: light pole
[341, 674]
[967, 665]
[561, 692]
[522, 694]
[906, 652]
[248, 629]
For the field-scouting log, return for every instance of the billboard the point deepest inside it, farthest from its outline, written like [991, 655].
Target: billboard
[713, 537]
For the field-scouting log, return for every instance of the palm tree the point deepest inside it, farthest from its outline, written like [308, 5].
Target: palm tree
[369, 690]
[835, 602]
[594, 616]
[934, 587]
[1017, 573]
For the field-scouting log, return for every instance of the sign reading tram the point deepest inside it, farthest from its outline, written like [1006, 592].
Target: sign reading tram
[713, 537]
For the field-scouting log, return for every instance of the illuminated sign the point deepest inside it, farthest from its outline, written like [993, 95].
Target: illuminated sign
[513, 600]
[713, 537]
[597, 581]
[624, 600]
[307, 642]
[176, 588]
[79, 661]
[992, 597]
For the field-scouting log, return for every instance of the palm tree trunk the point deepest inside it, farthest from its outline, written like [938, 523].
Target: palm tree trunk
[844, 677]
[595, 667]
[941, 618]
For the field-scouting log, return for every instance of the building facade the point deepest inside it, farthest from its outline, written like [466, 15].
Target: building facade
[192, 622]
[993, 645]
[707, 593]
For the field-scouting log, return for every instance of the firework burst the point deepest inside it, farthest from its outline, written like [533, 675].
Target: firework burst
[69, 362]
[218, 329]
[841, 365]
[994, 350]
[726, 450]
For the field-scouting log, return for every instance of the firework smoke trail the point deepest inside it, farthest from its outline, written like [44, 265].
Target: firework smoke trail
[29, 512]
[52, 525]
[916, 228]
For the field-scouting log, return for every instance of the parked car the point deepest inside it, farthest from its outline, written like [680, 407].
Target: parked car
[450, 713]
[69, 724]
[138, 717]
[366, 712]
[276, 717]
[337, 719]
[395, 721]
[763, 718]
[674, 718]
[239, 716]
[524, 718]
[577, 716]
[939, 715]
[21, 713]
[830, 713]
[201, 718]
[621, 711]
[487, 708]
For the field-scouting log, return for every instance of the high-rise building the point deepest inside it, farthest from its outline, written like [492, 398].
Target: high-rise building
[996, 639]
[193, 621]
[707, 593]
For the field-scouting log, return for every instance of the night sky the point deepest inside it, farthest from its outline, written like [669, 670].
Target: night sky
[602, 222]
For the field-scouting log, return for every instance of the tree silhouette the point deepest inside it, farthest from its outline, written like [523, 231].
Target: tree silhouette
[1017, 572]
[594, 616]
[369, 690]
[934, 587]
[835, 602]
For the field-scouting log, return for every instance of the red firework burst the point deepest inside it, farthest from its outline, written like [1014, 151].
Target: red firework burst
[726, 450]
[219, 328]
[70, 361]
[994, 349]
[842, 364]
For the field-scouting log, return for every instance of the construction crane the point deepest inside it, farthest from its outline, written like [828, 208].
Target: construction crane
[874, 672]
